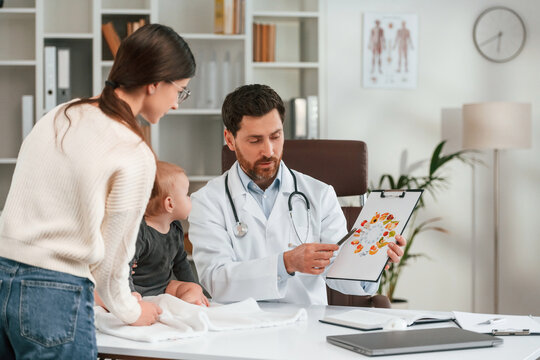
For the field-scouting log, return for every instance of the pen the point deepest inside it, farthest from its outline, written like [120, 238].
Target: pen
[510, 332]
[491, 321]
[346, 236]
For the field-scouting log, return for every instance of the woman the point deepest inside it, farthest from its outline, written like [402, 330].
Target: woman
[79, 190]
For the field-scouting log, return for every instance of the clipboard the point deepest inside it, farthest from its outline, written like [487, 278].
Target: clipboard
[363, 253]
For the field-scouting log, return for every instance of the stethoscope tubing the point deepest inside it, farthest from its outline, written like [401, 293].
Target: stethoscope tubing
[241, 229]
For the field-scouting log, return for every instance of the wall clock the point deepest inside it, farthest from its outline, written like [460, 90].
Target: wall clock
[499, 34]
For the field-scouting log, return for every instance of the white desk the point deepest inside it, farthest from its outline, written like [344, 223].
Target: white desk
[302, 340]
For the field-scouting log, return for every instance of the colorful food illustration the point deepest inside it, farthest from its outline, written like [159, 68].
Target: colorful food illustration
[358, 248]
[374, 234]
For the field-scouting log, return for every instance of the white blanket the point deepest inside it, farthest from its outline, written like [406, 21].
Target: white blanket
[181, 320]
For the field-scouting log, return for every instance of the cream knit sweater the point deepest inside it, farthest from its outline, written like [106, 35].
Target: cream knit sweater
[78, 210]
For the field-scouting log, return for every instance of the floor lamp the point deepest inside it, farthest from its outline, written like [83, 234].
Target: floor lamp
[496, 126]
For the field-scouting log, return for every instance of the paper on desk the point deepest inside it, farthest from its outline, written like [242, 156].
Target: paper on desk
[470, 321]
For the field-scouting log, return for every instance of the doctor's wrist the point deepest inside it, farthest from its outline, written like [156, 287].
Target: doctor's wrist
[287, 261]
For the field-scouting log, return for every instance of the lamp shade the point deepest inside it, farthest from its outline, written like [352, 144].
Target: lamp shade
[496, 125]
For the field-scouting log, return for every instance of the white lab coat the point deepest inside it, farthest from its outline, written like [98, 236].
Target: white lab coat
[233, 269]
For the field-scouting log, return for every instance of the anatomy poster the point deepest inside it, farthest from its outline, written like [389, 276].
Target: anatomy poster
[390, 50]
[364, 254]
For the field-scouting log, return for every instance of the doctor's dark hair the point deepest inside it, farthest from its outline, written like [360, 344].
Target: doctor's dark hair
[250, 100]
[151, 54]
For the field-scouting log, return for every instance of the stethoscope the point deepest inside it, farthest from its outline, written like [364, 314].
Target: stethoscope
[241, 228]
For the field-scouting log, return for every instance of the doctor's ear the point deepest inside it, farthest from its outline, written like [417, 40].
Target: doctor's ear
[229, 139]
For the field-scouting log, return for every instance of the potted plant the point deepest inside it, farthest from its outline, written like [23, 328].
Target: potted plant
[430, 183]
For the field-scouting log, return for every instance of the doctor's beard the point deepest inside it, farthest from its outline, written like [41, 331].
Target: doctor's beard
[258, 173]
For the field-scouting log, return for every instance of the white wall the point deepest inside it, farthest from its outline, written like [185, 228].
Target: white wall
[458, 273]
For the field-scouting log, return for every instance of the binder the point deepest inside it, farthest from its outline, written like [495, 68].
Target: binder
[27, 102]
[312, 117]
[64, 89]
[50, 77]
[299, 118]
[363, 255]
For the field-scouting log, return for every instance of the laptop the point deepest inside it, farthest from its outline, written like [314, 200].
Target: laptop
[413, 341]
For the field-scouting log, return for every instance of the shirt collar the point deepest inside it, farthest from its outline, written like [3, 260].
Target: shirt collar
[249, 184]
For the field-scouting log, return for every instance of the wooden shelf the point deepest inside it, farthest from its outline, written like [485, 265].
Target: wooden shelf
[126, 12]
[18, 11]
[286, 65]
[189, 36]
[68, 36]
[195, 112]
[286, 15]
[6, 161]
[17, 62]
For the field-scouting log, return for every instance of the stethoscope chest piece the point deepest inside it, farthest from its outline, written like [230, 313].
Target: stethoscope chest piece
[240, 229]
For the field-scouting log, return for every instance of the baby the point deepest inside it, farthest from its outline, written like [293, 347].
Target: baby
[159, 255]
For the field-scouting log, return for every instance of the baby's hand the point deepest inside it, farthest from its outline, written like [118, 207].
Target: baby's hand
[191, 293]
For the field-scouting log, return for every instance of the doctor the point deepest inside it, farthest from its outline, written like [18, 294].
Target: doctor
[245, 242]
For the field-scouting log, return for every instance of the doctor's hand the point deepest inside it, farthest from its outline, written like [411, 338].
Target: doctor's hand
[149, 314]
[395, 251]
[310, 258]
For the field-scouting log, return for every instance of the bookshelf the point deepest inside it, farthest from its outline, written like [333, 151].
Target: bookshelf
[191, 136]
[299, 50]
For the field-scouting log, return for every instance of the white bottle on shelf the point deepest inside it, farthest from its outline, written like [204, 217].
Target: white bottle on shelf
[200, 80]
[225, 76]
[210, 84]
[238, 79]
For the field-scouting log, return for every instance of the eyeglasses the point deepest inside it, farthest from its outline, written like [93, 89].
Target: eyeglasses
[183, 94]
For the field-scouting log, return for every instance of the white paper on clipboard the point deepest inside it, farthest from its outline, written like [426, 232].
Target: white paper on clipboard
[363, 255]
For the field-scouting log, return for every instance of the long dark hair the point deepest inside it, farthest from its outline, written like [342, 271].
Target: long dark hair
[151, 54]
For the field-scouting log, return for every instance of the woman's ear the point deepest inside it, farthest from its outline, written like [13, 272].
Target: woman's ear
[151, 88]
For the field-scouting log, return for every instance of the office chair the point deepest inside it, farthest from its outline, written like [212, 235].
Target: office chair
[342, 164]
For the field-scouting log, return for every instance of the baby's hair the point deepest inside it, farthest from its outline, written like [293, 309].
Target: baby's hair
[163, 186]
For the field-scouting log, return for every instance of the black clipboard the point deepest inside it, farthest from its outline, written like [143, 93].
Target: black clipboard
[363, 253]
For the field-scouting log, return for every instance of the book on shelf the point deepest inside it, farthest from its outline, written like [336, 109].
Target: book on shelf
[111, 37]
[133, 26]
[219, 17]
[229, 17]
[264, 42]
[256, 42]
[272, 43]
[27, 103]
[377, 318]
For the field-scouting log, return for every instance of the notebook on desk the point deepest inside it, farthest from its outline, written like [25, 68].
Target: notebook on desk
[413, 341]
[373, 319]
